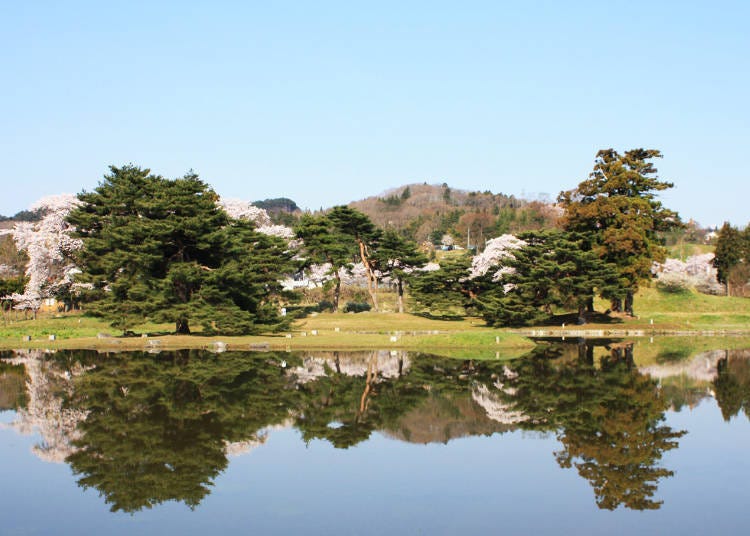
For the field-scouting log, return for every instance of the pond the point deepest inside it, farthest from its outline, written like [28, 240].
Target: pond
[581, 438]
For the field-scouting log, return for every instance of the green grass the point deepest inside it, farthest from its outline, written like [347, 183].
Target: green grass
[469, 337]
[463, 338]
[683, 251]
[691, 311]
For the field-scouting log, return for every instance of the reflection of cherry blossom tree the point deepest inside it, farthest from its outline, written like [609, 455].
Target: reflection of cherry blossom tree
[48, 244]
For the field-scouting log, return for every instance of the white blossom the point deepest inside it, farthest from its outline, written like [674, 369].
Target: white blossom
[47, 243]
[495, 251]
[245, 210]
[696, 272]
[281, 231]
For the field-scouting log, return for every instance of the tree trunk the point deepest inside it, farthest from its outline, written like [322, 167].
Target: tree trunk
[590, 304]
[182, 327]
[400, 296]
[371, 279]
[583, 351]
[616, 305]
[629, 303]
[336, 292]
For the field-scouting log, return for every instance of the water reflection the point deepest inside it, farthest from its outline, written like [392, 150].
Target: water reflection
[142, 429]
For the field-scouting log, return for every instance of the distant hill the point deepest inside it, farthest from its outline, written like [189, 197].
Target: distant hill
[427, 212]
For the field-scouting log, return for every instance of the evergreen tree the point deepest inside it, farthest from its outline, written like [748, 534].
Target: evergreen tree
[395, 257]
[322, 244]
[553, 269]
[617, 207]
[355, 226]
[731, 250]
[448, 291]
[162, 249]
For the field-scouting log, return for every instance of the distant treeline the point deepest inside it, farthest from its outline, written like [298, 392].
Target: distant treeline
[24, 215]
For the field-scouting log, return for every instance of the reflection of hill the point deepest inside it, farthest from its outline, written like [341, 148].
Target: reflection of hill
[440, 419]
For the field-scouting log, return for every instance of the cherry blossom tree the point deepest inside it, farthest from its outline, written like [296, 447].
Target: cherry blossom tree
[244, 210]
[494, 252]
[48, 244]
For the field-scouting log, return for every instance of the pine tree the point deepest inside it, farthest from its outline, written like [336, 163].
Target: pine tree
[729, 252]
[617, 207]
[163, 250]
[355, 226]
[323, 244]
[448, 291]
[553, 269]
[396, 257]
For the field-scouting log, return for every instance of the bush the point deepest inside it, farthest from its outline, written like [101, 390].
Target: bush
[673, 285]
[356, 307]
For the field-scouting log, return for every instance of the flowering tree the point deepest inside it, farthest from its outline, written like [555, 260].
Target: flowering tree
[48, 244]
[244, 210]
[495, 251]
[696, 272]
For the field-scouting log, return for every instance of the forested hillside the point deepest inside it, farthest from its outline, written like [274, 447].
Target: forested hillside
[425, 212]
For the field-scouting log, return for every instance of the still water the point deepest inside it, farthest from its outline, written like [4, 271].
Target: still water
[571, 439]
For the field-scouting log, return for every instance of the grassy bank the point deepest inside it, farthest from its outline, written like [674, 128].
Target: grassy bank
[685, 314]
[339, 331]
[662, 313]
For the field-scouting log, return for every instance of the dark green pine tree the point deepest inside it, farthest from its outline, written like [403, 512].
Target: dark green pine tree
[161, 249]
[731, 250]
[554, 269]
[121, 257]
[323, 244]
[447, 292]
[396, 257]
[355, 226]
[525, 294]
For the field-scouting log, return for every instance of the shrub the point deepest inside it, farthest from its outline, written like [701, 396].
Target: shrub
[356, 307]
[673, 283]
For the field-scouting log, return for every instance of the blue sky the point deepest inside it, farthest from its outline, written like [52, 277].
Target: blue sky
[326, 102]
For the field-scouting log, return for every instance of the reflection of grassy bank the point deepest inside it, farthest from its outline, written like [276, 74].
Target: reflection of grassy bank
[660, 349]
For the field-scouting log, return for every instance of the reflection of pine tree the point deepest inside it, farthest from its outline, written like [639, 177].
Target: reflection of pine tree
[157, 428]
[732, 386]
[346, 409]
[608, 421]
